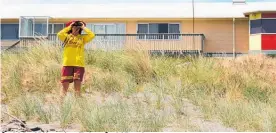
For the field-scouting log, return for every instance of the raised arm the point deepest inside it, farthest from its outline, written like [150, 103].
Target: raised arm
[89, 35]
[63, 33]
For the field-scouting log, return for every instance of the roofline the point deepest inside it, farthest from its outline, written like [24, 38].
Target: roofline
[135, 18]
[259, 11]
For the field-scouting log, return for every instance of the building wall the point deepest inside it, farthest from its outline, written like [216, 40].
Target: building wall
[268, 42]
[255, 41]
[254, 16]
[131, 27]
[218, 33]
[242, 35]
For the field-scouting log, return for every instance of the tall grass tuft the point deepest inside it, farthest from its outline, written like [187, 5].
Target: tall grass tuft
[119, 117]
[108, 82]
[239, 92]
[66, 111]
[11, 76]
[232, 90]
[109, 117]
[45, 113]
[138, 65]
[24, 107]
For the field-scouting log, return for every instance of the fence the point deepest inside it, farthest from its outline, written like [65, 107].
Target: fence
[151, 42]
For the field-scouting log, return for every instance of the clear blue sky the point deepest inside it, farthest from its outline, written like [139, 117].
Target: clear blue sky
[111, 1]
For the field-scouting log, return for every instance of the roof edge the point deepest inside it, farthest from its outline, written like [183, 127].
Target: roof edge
[259, 11]
[135, 18]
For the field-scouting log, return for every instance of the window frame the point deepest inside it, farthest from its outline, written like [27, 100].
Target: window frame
[104, 24]
[146, 38]
[33, 18]
[105, 32]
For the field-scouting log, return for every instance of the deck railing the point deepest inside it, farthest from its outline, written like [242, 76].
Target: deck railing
[152, 42]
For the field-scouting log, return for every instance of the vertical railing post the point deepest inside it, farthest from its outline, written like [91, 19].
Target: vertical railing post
[234, 41]
[202, 44]
[163, 44]
[145, 37]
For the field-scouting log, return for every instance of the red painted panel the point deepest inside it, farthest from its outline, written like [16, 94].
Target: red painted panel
[268, 41]
[268, 15]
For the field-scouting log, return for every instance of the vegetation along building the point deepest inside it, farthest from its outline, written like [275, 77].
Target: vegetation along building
[159, 27]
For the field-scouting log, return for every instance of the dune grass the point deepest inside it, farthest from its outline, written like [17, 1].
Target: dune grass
[133, 91]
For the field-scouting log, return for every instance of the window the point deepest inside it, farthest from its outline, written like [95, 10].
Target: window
[50, 30]
[33, 26]
[99, 29]
[263, 26]
[40, 29]
[109, 28]
[269, 25]
[9, 31]
[158, 31]
[26, 27]
[255, 26]
[105, 28]
[55, 28]
[108, 41]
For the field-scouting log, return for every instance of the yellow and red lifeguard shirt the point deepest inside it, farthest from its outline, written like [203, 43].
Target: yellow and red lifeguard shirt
[73, 54]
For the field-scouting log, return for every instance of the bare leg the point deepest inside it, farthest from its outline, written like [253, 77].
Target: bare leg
[77, 85]
[64, 89]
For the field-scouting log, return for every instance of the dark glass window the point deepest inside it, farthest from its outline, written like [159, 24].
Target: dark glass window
[255, 26]
[263, 26]
[9, 31]
[269, 25]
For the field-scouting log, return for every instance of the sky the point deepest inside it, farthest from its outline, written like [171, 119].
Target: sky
[3, 2]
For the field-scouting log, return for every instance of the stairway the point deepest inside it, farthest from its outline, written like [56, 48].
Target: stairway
[8, 44]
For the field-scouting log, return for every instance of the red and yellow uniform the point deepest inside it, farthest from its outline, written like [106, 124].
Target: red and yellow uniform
[73, 54]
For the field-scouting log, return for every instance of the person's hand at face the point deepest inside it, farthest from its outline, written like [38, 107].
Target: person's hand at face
[71, 25]
[83, 25]
[75, 30]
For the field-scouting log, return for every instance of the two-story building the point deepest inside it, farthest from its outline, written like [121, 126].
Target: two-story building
[212, 28]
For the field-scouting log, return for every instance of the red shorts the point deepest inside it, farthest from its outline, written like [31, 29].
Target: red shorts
[71, 73]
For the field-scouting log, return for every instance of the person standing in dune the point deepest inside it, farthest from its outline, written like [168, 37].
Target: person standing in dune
[73, 64]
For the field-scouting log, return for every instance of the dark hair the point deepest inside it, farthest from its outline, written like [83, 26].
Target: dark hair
[77, 23]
